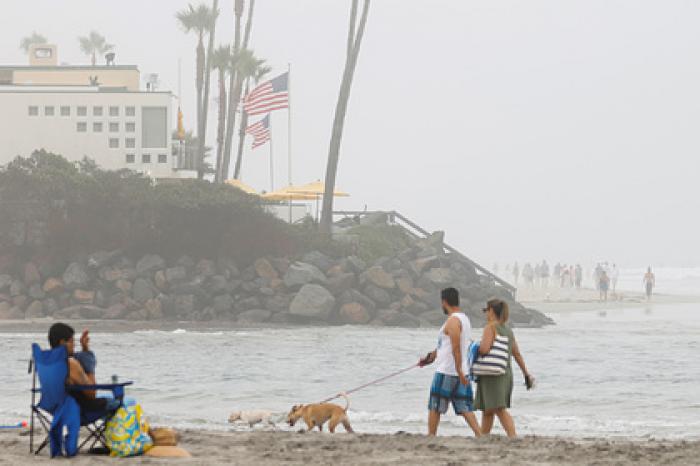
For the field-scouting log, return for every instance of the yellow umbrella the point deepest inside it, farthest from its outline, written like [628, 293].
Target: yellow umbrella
[242, 186]
[317, 188]
[288, 194]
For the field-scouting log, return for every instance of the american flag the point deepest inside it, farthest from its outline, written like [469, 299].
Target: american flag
[268, 96]
[260, 131]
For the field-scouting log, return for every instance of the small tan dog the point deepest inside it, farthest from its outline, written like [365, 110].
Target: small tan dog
[315, 415]
[252, 417]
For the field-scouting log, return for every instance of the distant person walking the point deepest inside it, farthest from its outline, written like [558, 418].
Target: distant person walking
[604, 285]
[649, 282]
[450, 383]
[544, 274]
[579, 276]
[614, 276]
[528, 275]
[494, 392]
[516, 273]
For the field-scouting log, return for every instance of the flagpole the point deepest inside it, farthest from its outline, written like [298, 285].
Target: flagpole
[289, 133]
[272, 165]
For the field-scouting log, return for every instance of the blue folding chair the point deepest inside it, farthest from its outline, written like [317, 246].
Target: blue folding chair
[57, 409]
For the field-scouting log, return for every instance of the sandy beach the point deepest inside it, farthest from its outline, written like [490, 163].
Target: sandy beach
[268, 448]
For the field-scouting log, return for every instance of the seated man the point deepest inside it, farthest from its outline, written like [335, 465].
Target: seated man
[81, 366]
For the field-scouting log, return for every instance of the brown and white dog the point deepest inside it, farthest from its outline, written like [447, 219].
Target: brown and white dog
[315, 415]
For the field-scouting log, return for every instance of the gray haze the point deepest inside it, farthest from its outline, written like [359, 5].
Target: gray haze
[558, 129]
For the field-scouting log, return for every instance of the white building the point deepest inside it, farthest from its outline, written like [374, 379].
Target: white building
[98, 112]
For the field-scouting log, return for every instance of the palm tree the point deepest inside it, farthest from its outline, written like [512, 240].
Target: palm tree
[28, 41]
[202, 129]
[221, 61]
[236, 85]
[351, 53]
[198, 20]
[259, 72]
[94, 43]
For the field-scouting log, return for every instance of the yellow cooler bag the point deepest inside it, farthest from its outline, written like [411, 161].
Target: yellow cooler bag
[127, 432]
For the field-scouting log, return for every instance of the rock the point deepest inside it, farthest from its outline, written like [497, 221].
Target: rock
[137, 315]
[154, 309]
[434, 317]
[184, 305]
[300, 273]
[277, 303]
[440, 276]
[53, 286]
[206, 268]
[217, 284]
[83, 296]
[175, 274]
[50, 306]
[101, 259]
[313, 301]
[338, 284]
[424, 263]
[318, 259]
[31, 274]
[8, 312]
[355, 296]
[186, 261]
[115, 311]
[378, 295]
[111, 274]
[378, 277]
[356, 264]
[405, 284]
[35, 310]
[223, 304]
[35, 291]
[354, 313]
[407, 255]
[281, 264]
[254, 316]
[142, 290]
[416, 308]
[248, 304]
[398, 319]
[16, 288]
[20, 301]
[123, 285]
[335, 270]
[75, 276]
[282, 318]
[80, 311]
[148, 264]
[5, 282]
[160, 280]
[265, 269]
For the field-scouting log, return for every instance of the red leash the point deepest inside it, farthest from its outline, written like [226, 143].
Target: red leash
[373, 382]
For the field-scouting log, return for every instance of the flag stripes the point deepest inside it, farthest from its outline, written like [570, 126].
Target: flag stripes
[260, 131]
[268, 96]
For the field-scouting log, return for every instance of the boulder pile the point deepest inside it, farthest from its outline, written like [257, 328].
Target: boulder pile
[401, 290]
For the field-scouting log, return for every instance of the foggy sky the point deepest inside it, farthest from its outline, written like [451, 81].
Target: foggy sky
[565, 130]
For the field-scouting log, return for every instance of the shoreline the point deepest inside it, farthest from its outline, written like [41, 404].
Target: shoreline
[271, 448]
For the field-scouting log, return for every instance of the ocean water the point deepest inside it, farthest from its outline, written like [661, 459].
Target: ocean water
[622, 372]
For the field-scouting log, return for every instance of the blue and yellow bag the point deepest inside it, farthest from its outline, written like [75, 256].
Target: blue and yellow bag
[127, 432]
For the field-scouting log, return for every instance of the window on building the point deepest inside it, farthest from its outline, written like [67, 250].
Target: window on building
[114, 143]
[130, 143]
[114, 111]
[81, 127]
[96, 111]
[33, 110]
[49, 110]
[162, 158]
[81, 110]
[65, 110]
[130, 158]
[130, 127]
[154, 127]
[146, 158]
[130, 111]
[113, 127]
[97, 127]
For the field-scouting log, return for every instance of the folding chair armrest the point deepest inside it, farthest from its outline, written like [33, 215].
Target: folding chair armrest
[116, 388]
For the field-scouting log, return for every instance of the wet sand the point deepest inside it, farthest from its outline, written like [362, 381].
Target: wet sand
[270, 448]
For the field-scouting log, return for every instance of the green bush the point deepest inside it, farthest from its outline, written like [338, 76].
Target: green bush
[376, 241]
[92, 209]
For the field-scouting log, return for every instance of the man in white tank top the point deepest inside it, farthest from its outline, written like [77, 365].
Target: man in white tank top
[450, 382]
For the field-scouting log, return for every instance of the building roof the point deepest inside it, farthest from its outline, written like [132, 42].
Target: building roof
[70, 67]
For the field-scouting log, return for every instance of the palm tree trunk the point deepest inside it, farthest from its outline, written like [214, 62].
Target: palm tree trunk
[241, 138]
[202, 129]
[353, 51]
[220, 131]
[199, 82]
[93, 58]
